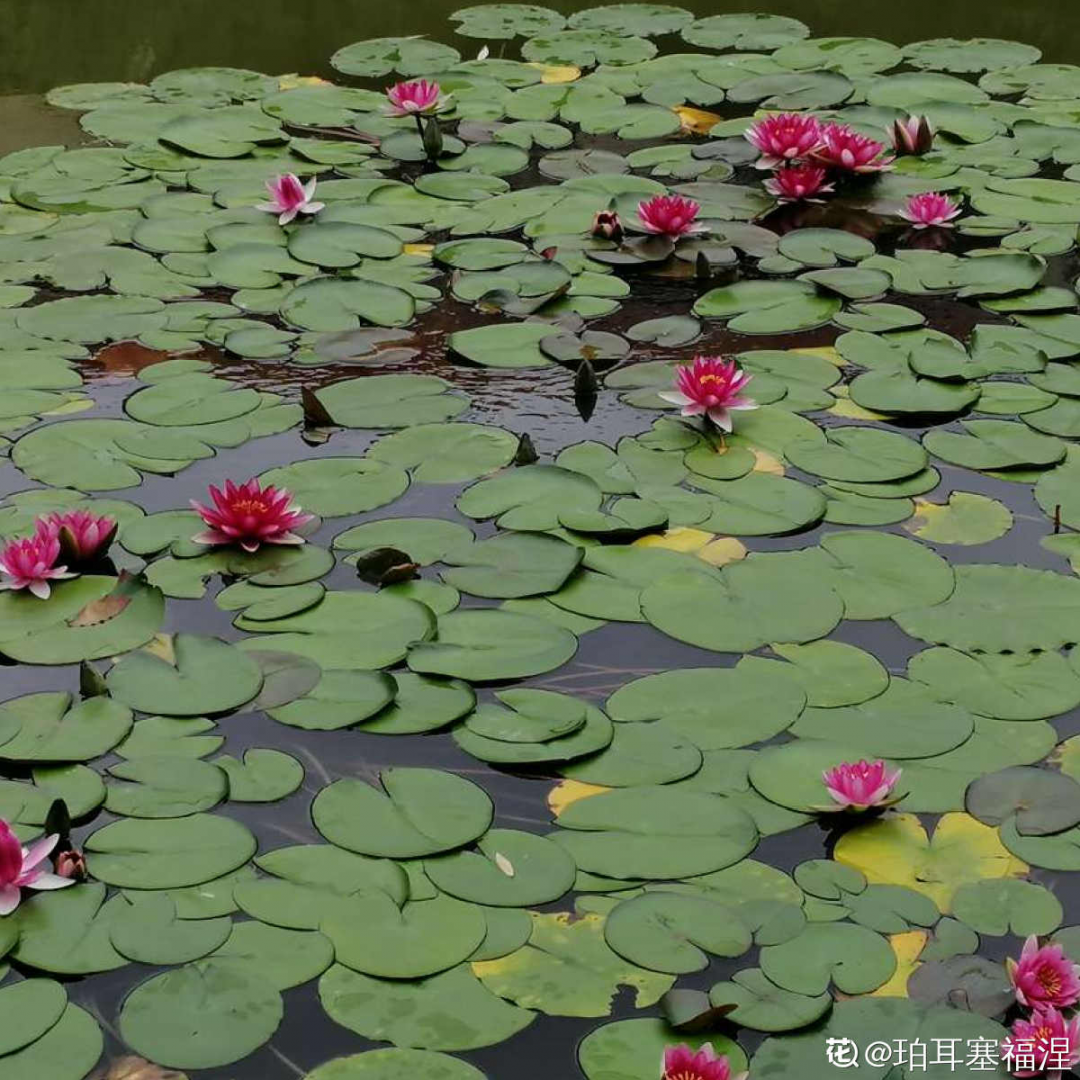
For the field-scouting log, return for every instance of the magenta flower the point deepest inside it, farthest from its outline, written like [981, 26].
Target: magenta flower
[250, 515]
[913, 135]
[1046, 1043]
[607, 226]
[289, 197]
[420, 97]
[711, 386]
[842, 148]
[682, 1063]
[860, 785]
[18, 868]
[30, 563]
[83, 536]
[669, 215]
[1044, 976]
[793, 183]
[930, 210]
[784, 137]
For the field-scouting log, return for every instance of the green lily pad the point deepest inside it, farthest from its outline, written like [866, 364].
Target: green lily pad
[282, 958]
[753, 1001]
[166, 786]
[418, 812]
[1000, 609]
[335, 487]
[655, 832]
[447, 453]
[372, 936]
[203, 1015]
[512, 869]
[489, 645]
[168, 854]
[390, 401]
[150, 932]
[206, 676]
[630, 1049]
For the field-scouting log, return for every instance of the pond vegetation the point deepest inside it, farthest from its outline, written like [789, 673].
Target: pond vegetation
[555, 554]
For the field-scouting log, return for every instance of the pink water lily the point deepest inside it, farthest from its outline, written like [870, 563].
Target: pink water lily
[913, 135]
[669, 215]
[682, 1062]
[289, 197]
[418, 97]
[31, 563]
[1046, 1043]
[712, 387]
[784, 137]
[607, 226]
[860, 785]
[1044, 976]
[930, 210]
[19, 868]
[844, 149]
[83, 536]
[795, 183]
[250, 515]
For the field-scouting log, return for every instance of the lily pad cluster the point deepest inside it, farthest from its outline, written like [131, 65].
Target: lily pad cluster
[617, 659]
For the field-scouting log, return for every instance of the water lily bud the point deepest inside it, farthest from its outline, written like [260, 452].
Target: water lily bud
[433, 140]
[607, 226]
[71, 864]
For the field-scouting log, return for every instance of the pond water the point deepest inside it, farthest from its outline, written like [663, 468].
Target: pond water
[536, 715]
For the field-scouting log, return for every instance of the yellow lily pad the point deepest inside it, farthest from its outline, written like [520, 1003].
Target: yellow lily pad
[707, 546]
[897, 851]
[766, 462]
[696, 121]
[1067, 757]
[567, 792]
[557, 73]
[293, 81]
[907, 947]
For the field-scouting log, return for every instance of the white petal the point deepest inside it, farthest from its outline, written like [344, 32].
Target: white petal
[676, 397]
[721, 418]
[51, 881]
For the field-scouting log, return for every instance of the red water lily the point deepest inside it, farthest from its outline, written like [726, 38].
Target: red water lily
[795, 183]
[712, 387]
[860, 785]
[845, 149]
[19, 868]
[1047, 1044]
[682, 1062]
[930, 210]
[669, 215]
[418, 97]
[1044, 976]
[83, 536]
[32, 562]
[250, 515]
[289, 197]
[784, 137]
